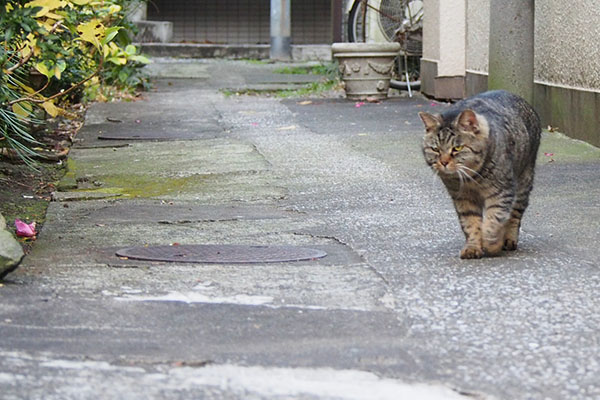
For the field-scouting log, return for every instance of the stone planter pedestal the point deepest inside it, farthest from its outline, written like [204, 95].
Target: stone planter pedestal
[366, 68]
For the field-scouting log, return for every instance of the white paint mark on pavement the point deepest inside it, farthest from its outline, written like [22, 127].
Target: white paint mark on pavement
[322, 383]
[195, 297]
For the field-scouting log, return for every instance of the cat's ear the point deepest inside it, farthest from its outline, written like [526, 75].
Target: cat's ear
[467, 121]
[431, 121]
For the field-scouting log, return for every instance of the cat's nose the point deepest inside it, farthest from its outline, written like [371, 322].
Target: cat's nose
[444, 161]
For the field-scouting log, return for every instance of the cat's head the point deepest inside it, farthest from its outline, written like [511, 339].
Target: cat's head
[455, 145]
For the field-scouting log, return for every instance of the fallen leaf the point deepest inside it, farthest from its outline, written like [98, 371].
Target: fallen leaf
[373, 100]
[23, 229]
[305, 102]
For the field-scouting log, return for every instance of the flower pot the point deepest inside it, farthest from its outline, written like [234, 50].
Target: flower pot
[366, 68]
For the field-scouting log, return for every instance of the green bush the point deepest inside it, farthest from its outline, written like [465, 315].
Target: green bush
[75, 47]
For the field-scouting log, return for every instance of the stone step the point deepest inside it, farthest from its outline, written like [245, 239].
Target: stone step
[315, 52]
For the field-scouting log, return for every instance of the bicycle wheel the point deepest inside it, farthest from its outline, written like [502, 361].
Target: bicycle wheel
[391, 15]
[356, 26]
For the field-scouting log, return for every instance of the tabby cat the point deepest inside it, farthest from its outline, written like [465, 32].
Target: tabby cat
[484, 150]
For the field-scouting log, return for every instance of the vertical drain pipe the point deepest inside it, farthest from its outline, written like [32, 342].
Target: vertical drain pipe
[281, 30]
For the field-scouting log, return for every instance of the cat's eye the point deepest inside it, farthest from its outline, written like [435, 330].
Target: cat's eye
[458, 148]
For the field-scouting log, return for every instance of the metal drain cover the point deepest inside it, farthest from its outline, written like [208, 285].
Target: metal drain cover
[221, 254]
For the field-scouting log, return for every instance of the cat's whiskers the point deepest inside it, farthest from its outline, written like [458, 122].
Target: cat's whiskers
[472, 171]
[465, 176]
[461, 175]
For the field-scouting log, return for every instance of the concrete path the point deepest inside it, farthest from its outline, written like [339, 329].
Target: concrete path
[391, 312]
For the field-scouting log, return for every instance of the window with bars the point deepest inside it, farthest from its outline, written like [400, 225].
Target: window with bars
[241, 21]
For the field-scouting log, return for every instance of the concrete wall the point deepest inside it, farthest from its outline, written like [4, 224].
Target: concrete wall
[566, 64]
[478, 35]
[568, 42]
[431, 30]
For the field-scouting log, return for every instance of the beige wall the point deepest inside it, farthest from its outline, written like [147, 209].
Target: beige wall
[431, 30]
[567, 43]
[478, 35]
[444, 46]
[452, 38]
[566, 59]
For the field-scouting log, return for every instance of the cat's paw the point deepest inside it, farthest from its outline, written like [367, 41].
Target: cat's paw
[470, 252]
[509, 244]
[492, 248]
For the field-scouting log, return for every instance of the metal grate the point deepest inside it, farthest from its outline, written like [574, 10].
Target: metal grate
[241, 21]
[221, 254]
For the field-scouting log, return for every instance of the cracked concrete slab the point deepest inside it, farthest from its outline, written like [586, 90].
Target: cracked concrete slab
[391, 298]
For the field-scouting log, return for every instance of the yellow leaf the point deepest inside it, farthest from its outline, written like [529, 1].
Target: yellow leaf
[50, 108]
[46, 5]
[22, 109]
[49, 4]
[114, 9]
[55, 17]
[25, 52]
[117, 60]
[80, 2]
[91, 32]
[41, 67]
[57, 72]
[25, 87]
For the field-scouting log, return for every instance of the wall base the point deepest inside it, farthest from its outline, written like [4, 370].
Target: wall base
[573, 111]
[440, 87]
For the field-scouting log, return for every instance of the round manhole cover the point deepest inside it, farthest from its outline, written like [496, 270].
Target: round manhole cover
[221, 254]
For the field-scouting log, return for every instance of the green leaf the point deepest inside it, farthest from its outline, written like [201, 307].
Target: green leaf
[123, 75]
[140, 59]
[130, 49]
[110, 34]
[117, 60]
[61, 64]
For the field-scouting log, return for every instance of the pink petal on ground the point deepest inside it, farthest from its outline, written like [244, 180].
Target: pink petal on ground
[25, 230]
[359, 104]
[548, 154]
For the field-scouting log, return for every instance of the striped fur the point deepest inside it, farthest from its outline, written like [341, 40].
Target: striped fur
[484, 150]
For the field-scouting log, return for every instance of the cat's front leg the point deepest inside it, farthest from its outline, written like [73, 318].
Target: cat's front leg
[469, 215]
[496, 215]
